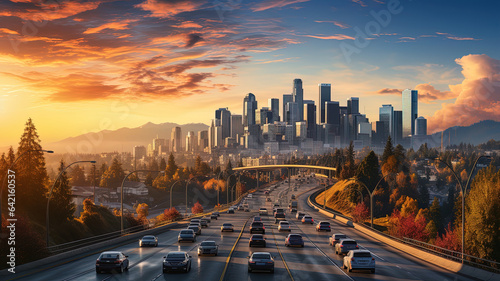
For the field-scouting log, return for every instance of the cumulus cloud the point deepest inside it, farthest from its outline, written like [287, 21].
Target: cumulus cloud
[478, 96]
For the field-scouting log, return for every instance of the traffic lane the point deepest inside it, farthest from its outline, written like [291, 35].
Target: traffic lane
[307, 263]
[389, 261]
[238, 267]
[86, 265]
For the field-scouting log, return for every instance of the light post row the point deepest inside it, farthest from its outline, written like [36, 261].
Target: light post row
[47, 217]
[464, 193]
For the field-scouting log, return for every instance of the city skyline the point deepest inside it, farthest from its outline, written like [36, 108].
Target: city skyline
[101, 66]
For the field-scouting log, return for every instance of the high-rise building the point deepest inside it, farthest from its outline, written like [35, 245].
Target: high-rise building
[139, 152]
[386, 115]
[301, 130]
[421, 126]
[353, 106]
[203, 139]
[191, 142]
[332, 113]
[236, 126]
[176, 139]
[310, 119]
[249, 107]
[211, 135]
[286, 100]
[263, 116]
[292, 113]
[410, 111]
[274, 105]
[298, 97]
[224, 115]
[398, 126]
[325, 93]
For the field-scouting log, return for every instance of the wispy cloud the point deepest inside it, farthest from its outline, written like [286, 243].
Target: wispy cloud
[168, 9]
[359, 2]
[337, 23]
[332, 37]
[457, 38]
[270, 4]
[117, 25]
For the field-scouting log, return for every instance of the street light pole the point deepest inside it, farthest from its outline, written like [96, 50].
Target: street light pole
[464, 193]
[171, 188]
[121, 194]
[187, 184]
[227, 187]
[47, 224]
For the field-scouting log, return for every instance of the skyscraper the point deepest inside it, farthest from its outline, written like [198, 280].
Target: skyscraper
[203, 139]
[298, 97]
[410, 111]
[236, 126]
[332, 113]
[274, 105]
[310, 119]
[421, 126]
[249, 107]
[386, 115]
[398, 126]
[224, 115]
[292, 111]
[191, 142]
[176, 139]
[286, 99]
[325, 92]
[353, 106]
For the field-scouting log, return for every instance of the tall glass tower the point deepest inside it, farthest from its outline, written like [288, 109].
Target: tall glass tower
[410, 111]
[249, 107]
[298, 97]
[386, 115]
[325, 93]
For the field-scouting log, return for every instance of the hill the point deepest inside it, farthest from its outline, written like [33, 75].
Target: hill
[475, 134]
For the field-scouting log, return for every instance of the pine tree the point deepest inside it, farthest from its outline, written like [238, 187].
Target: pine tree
[153, 166]
[77, 175]
[368, 170]
[163, 164]
[229, 168]
[388, 150]
[197, 165]
[61, 202]
[171, 167]
[113, 177]
[435, 214]
[350, 155]
[31, 175]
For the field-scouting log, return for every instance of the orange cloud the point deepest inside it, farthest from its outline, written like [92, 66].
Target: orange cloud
[478, 97]
[337, 23]
[269, 4]
[332, 37]
[426, 93]
[118, 25]
[188, 24]
[8, 31]
[169, 9]
[50, 10]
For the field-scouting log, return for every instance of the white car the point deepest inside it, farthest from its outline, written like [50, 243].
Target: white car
[359, 259]
[263, 211]
[284, 226]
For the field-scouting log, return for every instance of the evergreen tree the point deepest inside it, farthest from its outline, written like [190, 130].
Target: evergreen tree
[229, 168]
[149, 180]
[171, 167]
[435, 214]
[423, 196]
[163, 164]
[368, 170]
[61, 203]
[197, 165]
[113, 177]
[77, 175]
[350, 155]
[388, 150]
[31, 175]
[153, 165]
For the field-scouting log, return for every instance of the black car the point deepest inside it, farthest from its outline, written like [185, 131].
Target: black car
[261, 261]
[177, 261]
[257, 240]
[257, 227]
[213, 216]
[230, 211]
[112, 260]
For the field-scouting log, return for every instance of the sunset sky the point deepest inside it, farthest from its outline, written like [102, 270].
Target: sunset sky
[81, 66]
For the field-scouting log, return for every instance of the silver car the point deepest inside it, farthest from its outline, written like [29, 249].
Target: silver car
[148, 240]
[208, 248]
[186, 235]
[345, 245]
[359, 259]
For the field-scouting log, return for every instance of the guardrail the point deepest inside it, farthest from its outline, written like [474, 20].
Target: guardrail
[476, 262]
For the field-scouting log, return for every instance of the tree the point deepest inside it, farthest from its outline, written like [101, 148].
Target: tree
[432, 230]
[171, 214]
[163, 164]
[423, 196]
[171, 167]
[153, 165]
[368, 170]
[360, 213]
[142, 211]
[149, 180]
[31, 175]
[229, 168]
[409, 207]
[61, 203]
[197, 208]
[388, 150]
[350, 155]
[113, 176]
[435, 214]
[77, 175]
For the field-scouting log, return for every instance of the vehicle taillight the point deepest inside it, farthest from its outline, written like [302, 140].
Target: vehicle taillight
[352, 259]
[269, 262]
[97, 262]
[252, 262]
[117, 261]
[373, 259]
[357, 247]
[341, 246]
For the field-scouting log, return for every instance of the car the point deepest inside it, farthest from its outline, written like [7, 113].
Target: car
[276, 205]
[294, 240]
[359, 259]
[216, 213]
[250, 196]
[261, 261]
[230, 211]
[323, 225]
[214, 216]
[307, 219]
[268, 199]
[227, 227]
[293, 210]
[279, 217]
[195, 221]
[111, 260]
[257, 219]
[345, 245]
[257, 227]
[148, 240]
[176, 261]
[293, 196]
[186, 235]
[208, 248]
[196, 228]
[208, 218]
[204, 223]
[241, 208]
[263, 211]
[279, 211]
[335, 238]
[257, 240]
[247, 209]
[284, 226]
[299, 215]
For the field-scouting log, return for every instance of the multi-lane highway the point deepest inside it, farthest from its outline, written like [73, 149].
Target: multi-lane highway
[316, 261]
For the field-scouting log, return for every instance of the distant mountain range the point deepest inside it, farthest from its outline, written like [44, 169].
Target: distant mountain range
[121, 140]
[124, 139]
[475, 134]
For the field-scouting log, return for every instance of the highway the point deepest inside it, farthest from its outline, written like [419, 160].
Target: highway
[316, 261]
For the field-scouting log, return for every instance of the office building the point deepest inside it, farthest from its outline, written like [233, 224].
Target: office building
[249, 107]
[420, 126]
[236, 126]
[274, 106]
[292, 113]
[325, 93]
[386, 115]
[310, 119]
[203, 139]
[332, 113]
[263, 116]
[139, 152]
[410, 111]
[298, 97]
[224, 115]
[286, 100]
[176, 139]
[353, 106]
[191, 142]
[398, 126]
